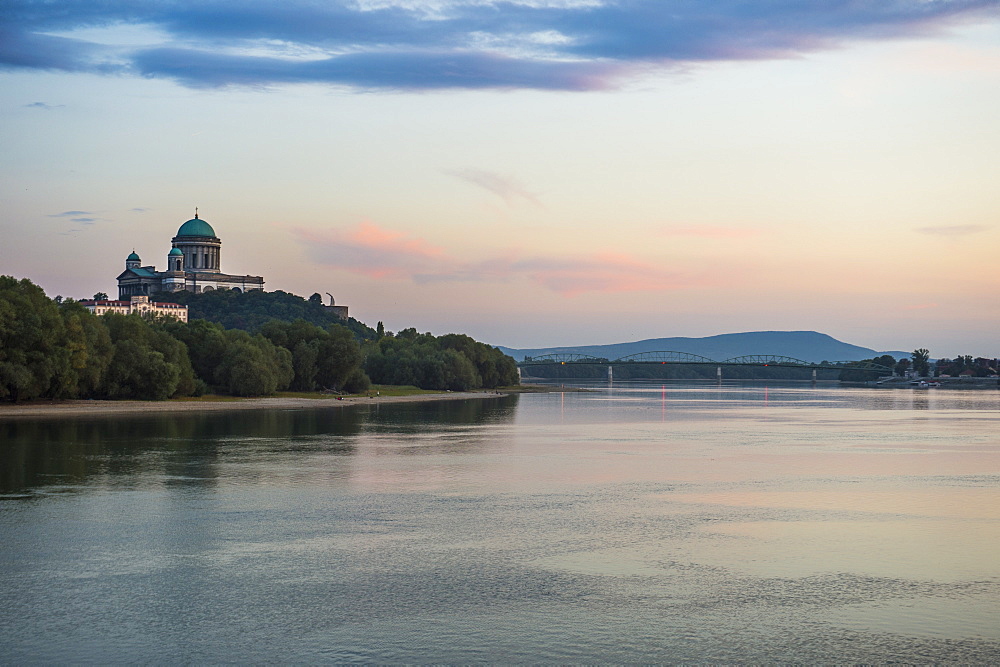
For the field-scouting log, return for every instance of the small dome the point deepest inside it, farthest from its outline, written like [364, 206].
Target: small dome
[196, 227]
[175, 252]
[133, 257]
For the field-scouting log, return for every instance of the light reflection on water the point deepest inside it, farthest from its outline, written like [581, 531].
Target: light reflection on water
[639, 522]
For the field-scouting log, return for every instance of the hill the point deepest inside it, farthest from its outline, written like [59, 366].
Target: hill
[805, 345]
[253, 309]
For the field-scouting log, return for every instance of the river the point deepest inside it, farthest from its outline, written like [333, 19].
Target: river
[639, 522]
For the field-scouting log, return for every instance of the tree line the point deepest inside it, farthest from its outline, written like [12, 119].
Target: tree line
[55, 350]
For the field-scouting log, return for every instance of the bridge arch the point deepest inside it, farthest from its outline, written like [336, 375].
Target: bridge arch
[766, 360]
[664, 357]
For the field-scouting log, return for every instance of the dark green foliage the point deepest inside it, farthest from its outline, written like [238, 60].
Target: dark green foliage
[920, 360]
[321, 358]
[148, 362]
[90, 349]
[304, 358]
[206, 344]
[250, 311]
[253, 366]
[356, 382]
[453, 361]
[35, 360]
[138, 371]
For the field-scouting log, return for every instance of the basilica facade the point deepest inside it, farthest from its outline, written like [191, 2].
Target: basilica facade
[193, 264]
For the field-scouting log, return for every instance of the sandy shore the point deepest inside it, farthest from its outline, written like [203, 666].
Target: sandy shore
[104, 408]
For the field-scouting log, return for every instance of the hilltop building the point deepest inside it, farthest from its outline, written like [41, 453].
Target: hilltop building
[137, 304]
[193, 264]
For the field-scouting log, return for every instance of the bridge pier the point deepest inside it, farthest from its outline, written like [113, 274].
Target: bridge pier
[814, 376]
[611, 374]
[718, 373]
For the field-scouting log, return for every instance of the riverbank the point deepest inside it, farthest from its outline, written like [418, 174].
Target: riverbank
[96, 408]
[93, 408]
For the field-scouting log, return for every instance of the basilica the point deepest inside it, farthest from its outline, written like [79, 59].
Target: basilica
[193, 264]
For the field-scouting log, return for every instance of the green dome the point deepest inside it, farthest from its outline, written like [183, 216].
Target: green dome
[174, 252]
[196, 227]
[133, 257]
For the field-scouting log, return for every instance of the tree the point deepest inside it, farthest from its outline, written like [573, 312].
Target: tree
[339, 355]
[101, 296]
[90, 348]
[253, 366]
[316, 298]
[886, 360]
[304, 358]
[320, 357]
[138, 371]
[206, 344]
[153, 364]
[32, 341]
[453, 361]
[921, 361]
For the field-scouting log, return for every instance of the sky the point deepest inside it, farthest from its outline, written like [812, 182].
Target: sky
[532, 173]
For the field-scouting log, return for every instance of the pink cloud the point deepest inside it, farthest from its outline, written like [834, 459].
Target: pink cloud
[379, 253]
[372, 251]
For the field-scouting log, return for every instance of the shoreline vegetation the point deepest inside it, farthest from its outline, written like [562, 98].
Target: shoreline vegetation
[58, 349]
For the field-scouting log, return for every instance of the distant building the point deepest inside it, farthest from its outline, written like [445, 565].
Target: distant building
[137, 304]
[193, 264]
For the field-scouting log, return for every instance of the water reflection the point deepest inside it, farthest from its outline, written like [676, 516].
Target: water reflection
[188, 448]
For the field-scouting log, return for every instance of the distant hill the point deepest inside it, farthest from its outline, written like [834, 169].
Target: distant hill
[805, 345]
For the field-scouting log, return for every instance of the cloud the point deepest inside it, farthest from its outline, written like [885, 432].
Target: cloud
[504, 187]
[953, 231]
[372, 251]
[84, 218]
[43, 105]
[446, 44]
[69, 214]
[920, 306]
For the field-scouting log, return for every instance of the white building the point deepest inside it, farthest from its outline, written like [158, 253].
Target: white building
[193, 264]
[137, 304]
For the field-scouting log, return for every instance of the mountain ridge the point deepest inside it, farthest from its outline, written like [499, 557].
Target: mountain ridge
[811, 346]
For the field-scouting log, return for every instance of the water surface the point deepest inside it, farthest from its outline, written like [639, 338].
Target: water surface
[639, 522]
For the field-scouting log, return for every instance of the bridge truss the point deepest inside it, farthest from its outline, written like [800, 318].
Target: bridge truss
[683, 358]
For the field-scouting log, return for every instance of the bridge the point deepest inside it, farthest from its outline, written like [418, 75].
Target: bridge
[663, 358]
